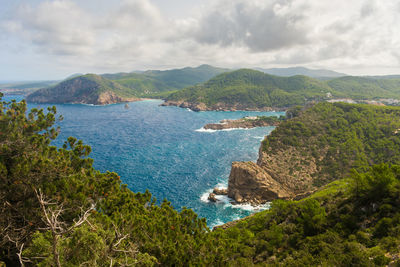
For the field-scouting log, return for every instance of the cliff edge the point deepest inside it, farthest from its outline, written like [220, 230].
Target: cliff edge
[317, 145]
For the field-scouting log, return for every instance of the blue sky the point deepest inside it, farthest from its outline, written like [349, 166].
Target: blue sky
[52, 39]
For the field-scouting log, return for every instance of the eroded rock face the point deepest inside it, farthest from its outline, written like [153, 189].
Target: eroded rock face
[249, 183]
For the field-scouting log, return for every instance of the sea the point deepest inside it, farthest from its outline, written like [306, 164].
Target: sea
[165, 150]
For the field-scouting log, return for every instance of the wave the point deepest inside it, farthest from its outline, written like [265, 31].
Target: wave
[216, 223]
[228, 202]
[202, 130]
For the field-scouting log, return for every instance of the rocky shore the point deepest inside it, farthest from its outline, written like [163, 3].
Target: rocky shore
[217, 107]
[246, 122]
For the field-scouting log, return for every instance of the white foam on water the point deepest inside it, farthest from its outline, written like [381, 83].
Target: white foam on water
[216, 223]
[202, 130]
[251, 208]
[188, 109]
[221, 185]
[204, 196]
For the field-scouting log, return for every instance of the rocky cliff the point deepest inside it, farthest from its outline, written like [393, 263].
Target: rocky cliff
[319, 144]
[86, 89]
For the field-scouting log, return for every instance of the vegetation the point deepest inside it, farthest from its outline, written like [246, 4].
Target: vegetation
[256, 90]
[57, 210]
[152, 82]
[253, 89]
[268, 119]
[352, 222]
[339, 137]
[367, 87]
[81, 89]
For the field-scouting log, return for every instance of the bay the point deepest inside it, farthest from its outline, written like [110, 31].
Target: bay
[164, 150]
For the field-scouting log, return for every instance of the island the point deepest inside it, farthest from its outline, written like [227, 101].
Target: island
[246, 122]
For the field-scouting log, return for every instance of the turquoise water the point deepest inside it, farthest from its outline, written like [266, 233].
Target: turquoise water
[164, 150]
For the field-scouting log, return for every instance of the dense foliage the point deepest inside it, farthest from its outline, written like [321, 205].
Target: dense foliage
[254, 89]
[352, 222]
[56, 210]
[338, 137]
[94, 220]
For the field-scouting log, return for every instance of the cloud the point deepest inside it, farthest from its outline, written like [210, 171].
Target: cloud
[137, 34]
[257, 25]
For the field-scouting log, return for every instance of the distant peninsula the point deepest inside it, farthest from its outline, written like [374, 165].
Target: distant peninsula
[246, 122]
[84, 89]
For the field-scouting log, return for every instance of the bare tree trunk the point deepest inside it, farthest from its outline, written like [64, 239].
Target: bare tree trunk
[55, 251]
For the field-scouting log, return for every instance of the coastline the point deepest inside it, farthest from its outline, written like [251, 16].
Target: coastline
[217, 107]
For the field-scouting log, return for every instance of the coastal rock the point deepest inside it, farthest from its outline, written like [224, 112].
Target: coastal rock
[212, 197]
[220, 191]
[246, 122]
[250, 183]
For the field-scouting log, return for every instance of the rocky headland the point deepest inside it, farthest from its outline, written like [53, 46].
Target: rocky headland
[85, 89]
[316, 146]
[246, 122]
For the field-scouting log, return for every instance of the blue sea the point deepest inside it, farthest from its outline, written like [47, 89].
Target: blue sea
[165, 150]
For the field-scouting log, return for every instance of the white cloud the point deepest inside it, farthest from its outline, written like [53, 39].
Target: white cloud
[136, 34]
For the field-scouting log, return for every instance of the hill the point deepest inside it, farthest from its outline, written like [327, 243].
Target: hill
[156, 81]
[317, 145]
[85, 89]
[253, 90]
[293, 71]
[247, 89]
[367, 87]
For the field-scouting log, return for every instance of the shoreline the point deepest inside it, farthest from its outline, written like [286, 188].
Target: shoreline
[219, 107]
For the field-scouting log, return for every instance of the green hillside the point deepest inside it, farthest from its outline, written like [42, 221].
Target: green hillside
[367, 87]
[252, 89]
[88, 89]
[156, 81]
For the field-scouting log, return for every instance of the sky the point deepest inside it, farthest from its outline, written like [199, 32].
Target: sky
[50, 40]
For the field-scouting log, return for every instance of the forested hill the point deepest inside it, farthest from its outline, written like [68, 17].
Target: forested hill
[155, 81]
[250, 89]
[85, 89]
[57, 210]
[317, 145]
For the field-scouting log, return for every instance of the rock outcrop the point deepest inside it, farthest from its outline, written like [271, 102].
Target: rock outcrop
[247, 122]
[249, 183]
